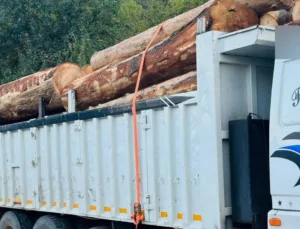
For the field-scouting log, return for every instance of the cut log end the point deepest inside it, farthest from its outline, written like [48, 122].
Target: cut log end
[275, 18]
[296, 11]
[268, 20]
[229, 16]
[67, 73]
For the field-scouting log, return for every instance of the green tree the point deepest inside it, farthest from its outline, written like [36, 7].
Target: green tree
[129, 20]
[43, 33]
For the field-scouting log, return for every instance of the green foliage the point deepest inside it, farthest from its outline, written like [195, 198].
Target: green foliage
[43, 33]
[129, 21]
[157, 11]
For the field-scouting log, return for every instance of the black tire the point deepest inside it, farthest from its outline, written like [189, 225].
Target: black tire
[52, 222]
[15, 220]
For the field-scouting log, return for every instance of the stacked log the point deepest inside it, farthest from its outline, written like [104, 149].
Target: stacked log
[19, 99]
[169, 68]
[173, 56]
[282, 17]
[177, 85]
[17, 94]
[275, 18]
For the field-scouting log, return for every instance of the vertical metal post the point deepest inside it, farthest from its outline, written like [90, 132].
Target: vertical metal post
[41, 108]
[201, 25]
[209, 116]
[71, 101]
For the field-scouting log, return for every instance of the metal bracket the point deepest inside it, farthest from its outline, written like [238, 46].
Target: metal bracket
[201, 25]
[71, 101]
[167, 101]
[144, 121]
[42, 108]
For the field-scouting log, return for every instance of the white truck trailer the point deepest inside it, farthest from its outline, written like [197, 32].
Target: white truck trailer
[204, 156]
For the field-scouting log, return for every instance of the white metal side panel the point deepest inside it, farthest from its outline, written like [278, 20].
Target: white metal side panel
[3, 181]
[46, 192]
[54, 202]
[9, 160]
[29, 164]
[210, 133]
[234, 92]
[65, 164]
[87, 167]
[76, 150]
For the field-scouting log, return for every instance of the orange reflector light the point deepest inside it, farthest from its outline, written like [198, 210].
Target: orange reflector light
[275, 222]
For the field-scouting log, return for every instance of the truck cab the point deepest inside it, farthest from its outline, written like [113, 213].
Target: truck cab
[285, 136]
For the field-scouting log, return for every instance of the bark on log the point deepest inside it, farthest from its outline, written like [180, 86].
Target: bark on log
[180, 84]
[172, 57]
[19, 99]
[25, 83]
[17, 89]
[87, 69]
[138, 43]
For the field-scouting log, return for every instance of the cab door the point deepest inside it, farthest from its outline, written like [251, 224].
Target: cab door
[285, 135]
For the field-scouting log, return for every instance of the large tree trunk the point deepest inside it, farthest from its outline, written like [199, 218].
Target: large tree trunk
[173, 56]
[282, 17]
[19, 99]
[25, 83]
[138, 43]
[230, 15]
[179, 84]
[10, 92]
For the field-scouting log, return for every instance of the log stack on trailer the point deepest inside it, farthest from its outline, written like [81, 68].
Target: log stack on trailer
[169, 68]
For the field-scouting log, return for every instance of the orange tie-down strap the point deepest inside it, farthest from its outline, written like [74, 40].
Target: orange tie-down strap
[137, 215]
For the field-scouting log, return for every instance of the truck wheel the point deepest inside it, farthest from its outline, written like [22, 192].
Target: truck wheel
[51, 222]
[15, 220]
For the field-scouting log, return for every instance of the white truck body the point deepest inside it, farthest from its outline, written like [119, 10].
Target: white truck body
[284, 143]
[84, 164]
